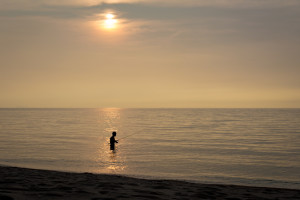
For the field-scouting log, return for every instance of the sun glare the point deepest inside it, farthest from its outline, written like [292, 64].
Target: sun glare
[110, 22]
[109, 16]
[110, 27]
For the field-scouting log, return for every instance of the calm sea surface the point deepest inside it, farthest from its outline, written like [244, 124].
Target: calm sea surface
[259, 147]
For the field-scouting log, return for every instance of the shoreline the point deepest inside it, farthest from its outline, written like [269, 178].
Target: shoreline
[24, 183]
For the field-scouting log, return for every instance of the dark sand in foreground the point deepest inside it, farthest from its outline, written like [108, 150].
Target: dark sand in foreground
[20, 183]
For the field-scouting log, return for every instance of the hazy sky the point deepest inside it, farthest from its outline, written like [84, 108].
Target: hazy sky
[151, 53]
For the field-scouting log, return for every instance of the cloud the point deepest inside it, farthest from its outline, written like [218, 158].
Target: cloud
[229, 3]
[178, 46]
[225, 3]
[197, 21]
[25, 4]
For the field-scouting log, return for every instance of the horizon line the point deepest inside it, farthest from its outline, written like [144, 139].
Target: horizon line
[150, 107]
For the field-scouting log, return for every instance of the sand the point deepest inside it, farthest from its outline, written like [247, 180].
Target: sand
[21, 183]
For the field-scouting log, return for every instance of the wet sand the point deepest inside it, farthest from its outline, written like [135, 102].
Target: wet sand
[21, 183]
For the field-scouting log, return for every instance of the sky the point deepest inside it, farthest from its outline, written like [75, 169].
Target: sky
[149, 53]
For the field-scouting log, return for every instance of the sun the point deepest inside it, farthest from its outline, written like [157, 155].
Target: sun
[110, 22]
[110, 26]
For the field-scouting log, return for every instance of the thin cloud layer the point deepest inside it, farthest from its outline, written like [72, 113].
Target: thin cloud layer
[225, 53]
[260, 23]
[24, 4]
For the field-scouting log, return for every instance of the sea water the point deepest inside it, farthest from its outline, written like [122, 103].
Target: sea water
[258, 147]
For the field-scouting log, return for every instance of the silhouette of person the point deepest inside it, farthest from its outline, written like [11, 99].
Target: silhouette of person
[113, 141]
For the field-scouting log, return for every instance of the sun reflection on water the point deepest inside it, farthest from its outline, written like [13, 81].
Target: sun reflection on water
[111, 161]
[111, 118]
[115, 165]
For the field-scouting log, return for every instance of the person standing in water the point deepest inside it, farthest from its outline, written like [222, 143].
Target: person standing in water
[113, 141]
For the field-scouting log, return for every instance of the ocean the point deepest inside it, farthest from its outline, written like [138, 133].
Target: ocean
[256, 147]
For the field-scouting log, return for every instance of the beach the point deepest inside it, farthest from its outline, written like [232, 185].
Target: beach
[22, 183]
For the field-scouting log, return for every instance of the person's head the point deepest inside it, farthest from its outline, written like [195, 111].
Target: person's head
[114, 133]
